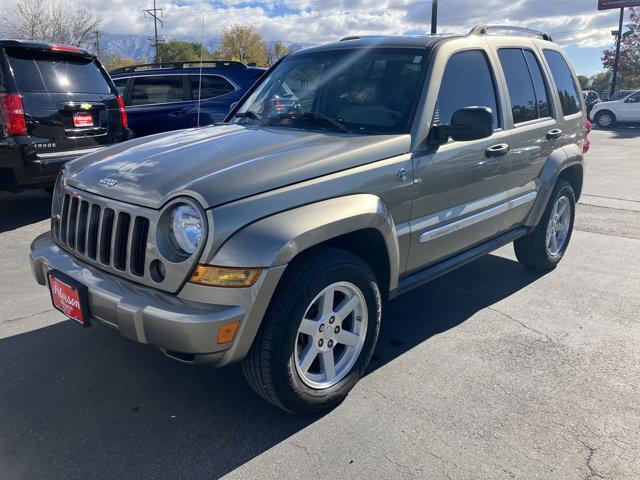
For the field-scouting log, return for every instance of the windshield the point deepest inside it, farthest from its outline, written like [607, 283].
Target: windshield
[620, 94]
[352, 90]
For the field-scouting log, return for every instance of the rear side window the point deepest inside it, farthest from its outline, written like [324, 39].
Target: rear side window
[121, 85]
[54, 72]
[212, 86]
[157, 89]
[527, 90]
[467, 82]
[565, 83]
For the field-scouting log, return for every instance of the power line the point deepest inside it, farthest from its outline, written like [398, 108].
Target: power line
[153, 12]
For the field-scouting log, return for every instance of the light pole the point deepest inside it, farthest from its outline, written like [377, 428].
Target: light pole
[616, 60]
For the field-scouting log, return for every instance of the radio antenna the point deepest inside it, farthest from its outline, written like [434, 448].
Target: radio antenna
[200, 75]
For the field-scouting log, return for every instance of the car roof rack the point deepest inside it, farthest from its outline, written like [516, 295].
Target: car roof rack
[484, 30]
[179, 65]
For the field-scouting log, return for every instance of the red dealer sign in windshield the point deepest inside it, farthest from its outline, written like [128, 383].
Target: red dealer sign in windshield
[608, 4]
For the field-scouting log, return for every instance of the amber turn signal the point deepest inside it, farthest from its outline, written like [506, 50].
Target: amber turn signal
[227, 332]
[230, 277]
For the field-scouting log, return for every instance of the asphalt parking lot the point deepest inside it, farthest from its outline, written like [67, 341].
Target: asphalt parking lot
[489, 372]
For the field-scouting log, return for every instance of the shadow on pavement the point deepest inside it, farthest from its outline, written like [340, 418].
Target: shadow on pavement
[87, 403]
[627, 130]
[24, 208]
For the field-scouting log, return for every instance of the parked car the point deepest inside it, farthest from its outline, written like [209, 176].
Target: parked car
[274, 238]
[163, 97]
[624, 106]
[56, 103]
[591, 98]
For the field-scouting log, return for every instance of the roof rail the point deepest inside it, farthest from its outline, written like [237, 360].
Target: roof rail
[350, 37]
[484, 30]
[179, 65]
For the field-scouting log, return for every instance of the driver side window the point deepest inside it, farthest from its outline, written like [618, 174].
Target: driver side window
[635, 98]
[467, 82]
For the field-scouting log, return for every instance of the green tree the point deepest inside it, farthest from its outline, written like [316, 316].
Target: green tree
[276, 52]
[584, 81]
[181, 51]
[601, 82]
[111, 62]
[243, 43]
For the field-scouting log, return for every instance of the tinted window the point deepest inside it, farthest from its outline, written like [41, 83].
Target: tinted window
[520, 85]
[121, 85]
[467, 82]
[539, 85]
[212, 86]
[565, 83]
[157, 89]
[619, 95]
[51, 72]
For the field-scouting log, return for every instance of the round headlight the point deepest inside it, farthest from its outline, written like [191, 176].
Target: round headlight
[186, 228]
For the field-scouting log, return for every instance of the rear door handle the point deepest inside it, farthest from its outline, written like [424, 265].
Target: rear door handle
[497, 150]
[553, 134]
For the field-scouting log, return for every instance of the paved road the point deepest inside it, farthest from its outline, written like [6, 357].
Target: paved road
[489, 372]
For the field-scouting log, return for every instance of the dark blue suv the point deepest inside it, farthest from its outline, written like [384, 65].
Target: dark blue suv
[163, 97]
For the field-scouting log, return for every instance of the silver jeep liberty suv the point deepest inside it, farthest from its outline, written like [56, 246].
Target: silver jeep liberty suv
[350, 173]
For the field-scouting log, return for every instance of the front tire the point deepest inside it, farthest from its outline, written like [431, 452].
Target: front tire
[544, 247]
[605, 119]
[318, 334]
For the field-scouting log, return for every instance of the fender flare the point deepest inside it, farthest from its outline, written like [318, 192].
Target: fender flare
[559, 160]
[277, 239]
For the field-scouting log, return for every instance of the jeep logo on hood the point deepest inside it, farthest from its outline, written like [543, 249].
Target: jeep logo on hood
[107, 182]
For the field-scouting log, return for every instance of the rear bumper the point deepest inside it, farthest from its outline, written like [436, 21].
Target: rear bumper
[184, 326]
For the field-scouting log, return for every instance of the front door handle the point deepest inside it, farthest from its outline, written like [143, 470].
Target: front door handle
[497, 150]
[553, 134]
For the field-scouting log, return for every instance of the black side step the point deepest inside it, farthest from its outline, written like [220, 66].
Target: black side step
[431, 273]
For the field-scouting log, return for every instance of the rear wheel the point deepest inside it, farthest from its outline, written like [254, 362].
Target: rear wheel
[605, 119]
[318, 335]
[544, 247]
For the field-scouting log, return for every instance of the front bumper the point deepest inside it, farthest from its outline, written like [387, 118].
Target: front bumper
[184, 326]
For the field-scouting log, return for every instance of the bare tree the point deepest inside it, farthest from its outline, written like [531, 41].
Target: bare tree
[276, 52]
[69, 22]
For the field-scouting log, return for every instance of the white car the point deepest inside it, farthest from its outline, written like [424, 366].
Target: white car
[624, 106]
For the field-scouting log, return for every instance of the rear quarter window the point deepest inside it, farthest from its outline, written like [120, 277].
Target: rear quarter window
[53, 72]
[565, 83]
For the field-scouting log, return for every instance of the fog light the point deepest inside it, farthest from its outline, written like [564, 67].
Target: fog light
[213, 276]
[227, 332]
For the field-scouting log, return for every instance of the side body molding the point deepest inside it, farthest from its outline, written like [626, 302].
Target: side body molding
[276, 240]
[558, 161]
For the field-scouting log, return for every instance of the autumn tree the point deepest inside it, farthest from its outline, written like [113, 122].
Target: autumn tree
[59, 21]
[629, 62]
[181, 51]
[243, 43]
[111, 62]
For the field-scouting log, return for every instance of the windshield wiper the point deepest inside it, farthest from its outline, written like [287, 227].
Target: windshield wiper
[322, 118]
[252, 115]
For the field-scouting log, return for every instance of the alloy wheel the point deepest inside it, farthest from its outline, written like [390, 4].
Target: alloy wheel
[331, 335]
[558, 227]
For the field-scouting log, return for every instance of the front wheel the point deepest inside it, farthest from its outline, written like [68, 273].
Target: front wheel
[544, 247]
[605, 119]
[318, 335]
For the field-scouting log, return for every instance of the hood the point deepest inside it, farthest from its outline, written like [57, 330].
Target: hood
[219, 164]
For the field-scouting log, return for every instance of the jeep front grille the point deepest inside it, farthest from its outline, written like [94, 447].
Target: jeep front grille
[114, 238]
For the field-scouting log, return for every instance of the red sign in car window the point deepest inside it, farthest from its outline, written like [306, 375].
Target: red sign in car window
[66, 299]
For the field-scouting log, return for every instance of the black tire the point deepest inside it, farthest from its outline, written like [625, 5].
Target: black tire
[605, 119]
[531, 250]
[269, 367]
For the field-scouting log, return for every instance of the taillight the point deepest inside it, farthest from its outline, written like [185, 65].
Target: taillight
[123, 113]
[12, 115]
[586, 143]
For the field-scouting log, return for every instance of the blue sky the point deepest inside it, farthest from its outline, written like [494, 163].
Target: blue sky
[575, 24]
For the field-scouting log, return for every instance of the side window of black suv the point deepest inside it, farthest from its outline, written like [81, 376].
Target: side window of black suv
[467, 81]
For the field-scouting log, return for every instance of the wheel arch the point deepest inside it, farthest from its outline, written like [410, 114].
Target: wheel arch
[360, 223]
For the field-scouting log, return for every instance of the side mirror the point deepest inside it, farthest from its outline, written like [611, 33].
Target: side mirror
[470, 123]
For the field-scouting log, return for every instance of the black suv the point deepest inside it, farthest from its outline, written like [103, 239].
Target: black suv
[56, 103]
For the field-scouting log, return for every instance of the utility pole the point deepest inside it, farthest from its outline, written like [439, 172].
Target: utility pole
[153, 12]
[97, 33]
[434, 16]
[614, 79]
